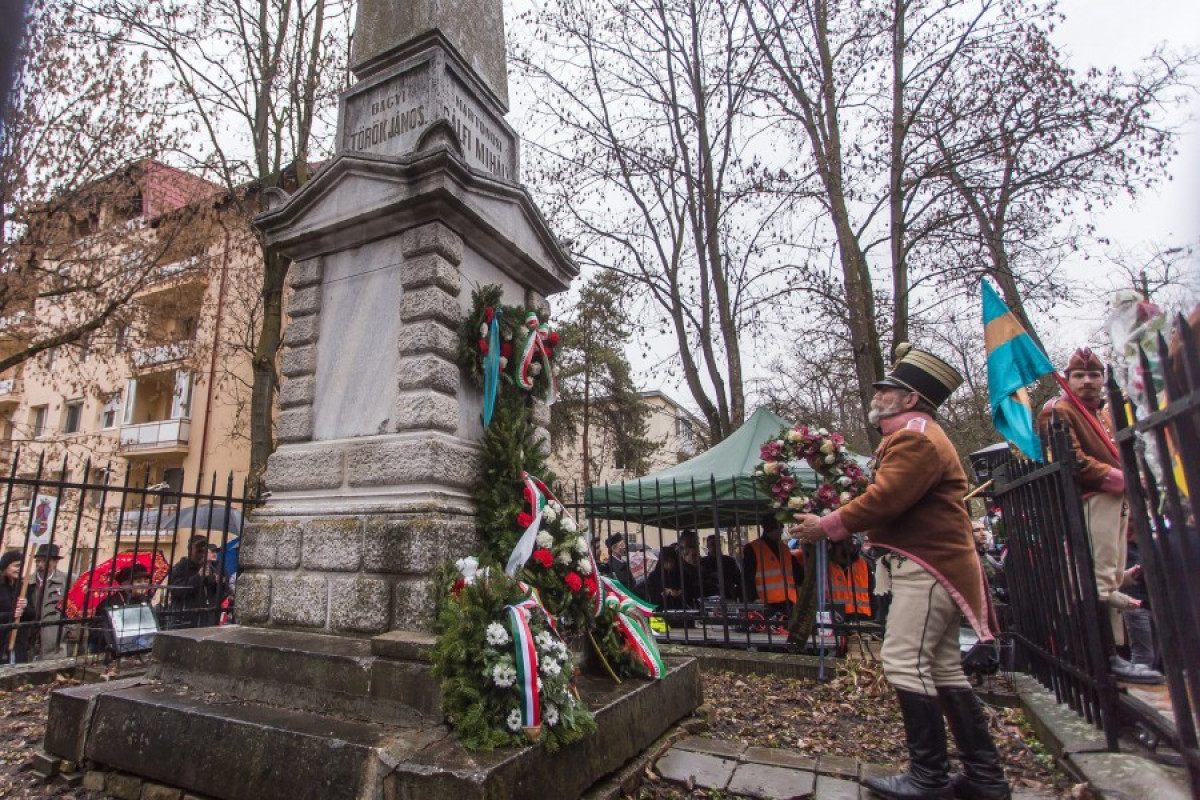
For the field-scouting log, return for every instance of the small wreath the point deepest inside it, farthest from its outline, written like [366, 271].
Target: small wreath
[840, 478]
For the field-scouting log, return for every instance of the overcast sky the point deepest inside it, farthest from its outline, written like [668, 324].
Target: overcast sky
[1100, 33]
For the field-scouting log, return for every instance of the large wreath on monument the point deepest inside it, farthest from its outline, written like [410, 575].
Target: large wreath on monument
[536, 567]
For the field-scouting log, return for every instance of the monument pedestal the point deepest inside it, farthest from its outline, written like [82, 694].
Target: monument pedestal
[241, 713]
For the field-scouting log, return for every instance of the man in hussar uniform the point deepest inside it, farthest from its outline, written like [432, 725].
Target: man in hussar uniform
[913, 510]
[1102, 486]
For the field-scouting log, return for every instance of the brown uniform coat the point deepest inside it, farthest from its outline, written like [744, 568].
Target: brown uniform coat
[914, 507]
[1094, 457]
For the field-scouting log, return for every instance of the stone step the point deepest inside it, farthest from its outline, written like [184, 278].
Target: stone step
[309, 671]
[226, 747]
[237, 749]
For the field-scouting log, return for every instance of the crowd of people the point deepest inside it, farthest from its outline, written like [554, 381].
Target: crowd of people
[34, 626]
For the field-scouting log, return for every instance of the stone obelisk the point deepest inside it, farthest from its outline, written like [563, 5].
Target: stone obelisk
[378, 430]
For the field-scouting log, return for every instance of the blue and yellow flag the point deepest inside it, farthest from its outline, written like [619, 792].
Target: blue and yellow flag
[1013, 362]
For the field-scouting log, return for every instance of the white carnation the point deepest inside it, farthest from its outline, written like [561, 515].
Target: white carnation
[564, 557]
[545, 640]
[585, 568]
[581, 546]
[544, 540]
[503, 362]
[497, 635]
[514, 720]
[569, 523]
[550, 715]
[483, 330]
[549, 514]
[504, 675]
[535, 368]
[550, 667]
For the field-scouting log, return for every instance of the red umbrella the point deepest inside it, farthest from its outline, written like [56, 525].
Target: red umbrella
[101, 579]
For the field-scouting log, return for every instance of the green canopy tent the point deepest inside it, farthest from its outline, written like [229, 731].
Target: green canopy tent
[714, 489]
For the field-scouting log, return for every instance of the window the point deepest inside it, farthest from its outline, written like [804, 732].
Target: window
[173, 477]
[37, 422]
[108, 417]
[73, 416]
[48, 358]
[96, 482]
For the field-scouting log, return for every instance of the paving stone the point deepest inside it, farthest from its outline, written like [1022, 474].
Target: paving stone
[157, 791]
[838, 767]
[125, 787]
[829, 788]
[775, 783]
[875, 771]
[707, 771]
[1129, 775]
[779, 758]
[93, 780]
[714, 747]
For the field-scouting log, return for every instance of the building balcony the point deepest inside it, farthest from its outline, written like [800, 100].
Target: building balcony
[167, 436]
[185, 275]
[163, 355]
[131, 522]
[10, 392]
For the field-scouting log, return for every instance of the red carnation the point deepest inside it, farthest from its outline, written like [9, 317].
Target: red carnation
[544, 557]
[591, 586]
[506, 349]
[458, 586]
[524, 519]
[552, 338]
[573, 581]
[483, 346]
[489, 313]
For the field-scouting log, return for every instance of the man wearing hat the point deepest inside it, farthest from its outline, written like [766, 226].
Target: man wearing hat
[618, 561]
[194, 588]
[1102, 485]
[45, 597]
[913, 512]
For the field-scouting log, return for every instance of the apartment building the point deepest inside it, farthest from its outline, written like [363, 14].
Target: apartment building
[160, 391]
[674, 430]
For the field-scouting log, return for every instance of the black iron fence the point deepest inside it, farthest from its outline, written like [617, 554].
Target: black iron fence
[92, 567]
[1160, 453]
[1062, 629]
[685, 548]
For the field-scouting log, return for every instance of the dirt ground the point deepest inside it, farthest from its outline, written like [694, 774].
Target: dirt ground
[854, 715]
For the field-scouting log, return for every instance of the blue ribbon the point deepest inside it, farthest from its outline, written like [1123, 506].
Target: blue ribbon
[491, 368]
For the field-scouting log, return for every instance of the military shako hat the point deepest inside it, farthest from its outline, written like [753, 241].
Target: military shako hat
[924, 373]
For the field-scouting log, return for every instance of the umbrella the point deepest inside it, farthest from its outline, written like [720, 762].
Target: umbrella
[227, 556]
[205, 517]
[101, 579]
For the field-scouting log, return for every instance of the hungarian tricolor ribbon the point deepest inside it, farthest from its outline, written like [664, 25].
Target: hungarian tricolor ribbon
[491, 367]
[535, 346]
[632, 621]
[536, 495]
[527, 664]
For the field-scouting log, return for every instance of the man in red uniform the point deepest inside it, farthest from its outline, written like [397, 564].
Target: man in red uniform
[1102, 485]
[914, 512]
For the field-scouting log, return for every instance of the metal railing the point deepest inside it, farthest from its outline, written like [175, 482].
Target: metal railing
[147, 435]
[64, 612]
[1062, 631]
[1160, 454]
[704, 593]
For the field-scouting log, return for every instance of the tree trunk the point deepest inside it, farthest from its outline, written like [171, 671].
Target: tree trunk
[266, 376]
[895, 176]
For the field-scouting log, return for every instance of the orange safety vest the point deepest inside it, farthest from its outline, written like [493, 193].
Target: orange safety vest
[774, 581]
[851, 590]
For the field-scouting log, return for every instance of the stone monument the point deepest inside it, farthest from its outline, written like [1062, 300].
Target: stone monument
[323, 689]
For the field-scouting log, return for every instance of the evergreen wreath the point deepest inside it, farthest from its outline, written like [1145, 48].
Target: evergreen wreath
[839, 480]
[559, 575]
[478, 656]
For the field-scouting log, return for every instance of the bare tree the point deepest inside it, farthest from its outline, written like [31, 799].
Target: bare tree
[79, 107]
[259, 81]
[653, 173]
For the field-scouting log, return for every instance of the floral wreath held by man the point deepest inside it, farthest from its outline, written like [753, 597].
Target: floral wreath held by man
[914, 511]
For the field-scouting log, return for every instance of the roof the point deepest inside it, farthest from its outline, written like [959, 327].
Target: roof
[716, 488]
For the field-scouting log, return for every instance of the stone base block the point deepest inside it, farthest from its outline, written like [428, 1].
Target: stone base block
[244, 713]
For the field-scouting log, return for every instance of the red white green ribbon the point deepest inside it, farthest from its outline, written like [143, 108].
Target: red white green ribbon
[533, 347]
[527, 664]
[632, 621]
[536, 495]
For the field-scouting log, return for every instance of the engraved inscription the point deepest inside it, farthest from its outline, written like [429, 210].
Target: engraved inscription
[393, 111]
[479, 139]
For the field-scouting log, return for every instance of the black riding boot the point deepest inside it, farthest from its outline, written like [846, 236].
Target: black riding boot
[928, 776]
[982, 777]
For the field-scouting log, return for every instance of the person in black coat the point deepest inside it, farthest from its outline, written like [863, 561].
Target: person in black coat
[13, 607]
[131, 585]
[719, 573]
[194, 587]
